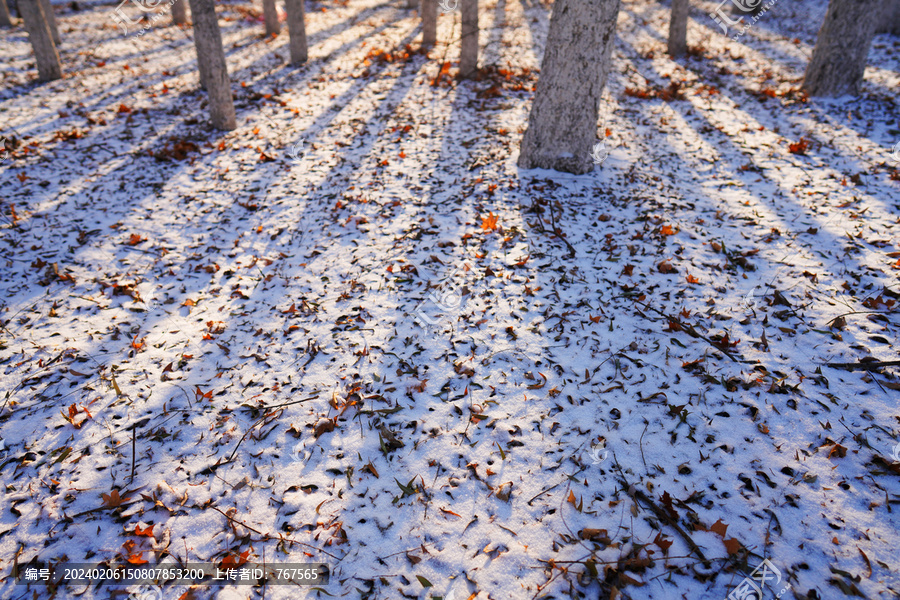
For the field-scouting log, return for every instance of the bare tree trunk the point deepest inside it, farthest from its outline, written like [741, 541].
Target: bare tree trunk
[296, 21]
[468, 54]
[839, 59]
[51, 20]
[208, 41]
[429, 22]
[45, 53]
[678, 27]
[562, 125]
[890, 18]
[412, 3]
[270, 14]
[5, 18]
[179, 12]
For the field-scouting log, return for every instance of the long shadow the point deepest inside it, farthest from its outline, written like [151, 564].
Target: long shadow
[834, 111]
[721, 140]
[493, 45]
[174, 101]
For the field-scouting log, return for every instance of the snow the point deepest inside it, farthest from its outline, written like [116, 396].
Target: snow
[245, 292]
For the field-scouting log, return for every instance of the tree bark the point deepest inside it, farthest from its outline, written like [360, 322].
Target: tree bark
[412, 3]
[562, 125]
[45, 54]
[468, 54]
[839, 59]
[890, 18]
[429, 22]
[208, 41]
[678, 27]
[296, 21]
[270, 15]
[51, 20]
[179, 12]
[5, 18]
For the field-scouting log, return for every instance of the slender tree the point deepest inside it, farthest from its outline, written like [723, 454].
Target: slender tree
[179, 12]
[429, 22]
[468, 54]
[50, 15]
[890, 18]
[678, 22]
[562, 125]
[412, 3]
[5, 18]
[208, 41]
[270, 15]
[45, 54]
[296, 21]
[839, 58]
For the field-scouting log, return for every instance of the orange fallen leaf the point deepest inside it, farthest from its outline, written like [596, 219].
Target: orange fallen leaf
[489, 223]
[146, 532]
[135, 239]
[113, 500]
[231, 560]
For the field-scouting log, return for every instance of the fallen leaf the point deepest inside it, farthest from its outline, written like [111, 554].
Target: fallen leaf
[113, 500]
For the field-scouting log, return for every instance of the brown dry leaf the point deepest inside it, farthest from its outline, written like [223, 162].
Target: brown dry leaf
[732, 546]
[503, 492]
[837, 451]
[323, 425]
[538, 386]
[868, 564]
[719, 527]
[595, 535]
[666, 267]
[663, 544]
[113, 500]
[370, 468]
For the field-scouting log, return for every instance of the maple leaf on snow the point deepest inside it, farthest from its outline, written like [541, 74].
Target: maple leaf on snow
[113, 500]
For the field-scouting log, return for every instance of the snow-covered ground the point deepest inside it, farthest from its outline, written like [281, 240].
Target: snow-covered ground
[352, 332]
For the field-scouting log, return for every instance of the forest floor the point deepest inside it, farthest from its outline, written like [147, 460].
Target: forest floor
[352, 332]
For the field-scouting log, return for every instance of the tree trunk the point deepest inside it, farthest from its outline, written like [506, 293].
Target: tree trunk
[839, 58]
[412, 3]
[562, 125]
[429, 22]
[208, 41]
[890, 18]
[296, 21]
[468, 54]
[51, 20]
[270, 14]
[678, 27]
[45, 53]
[5, 18]
[179, 12]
